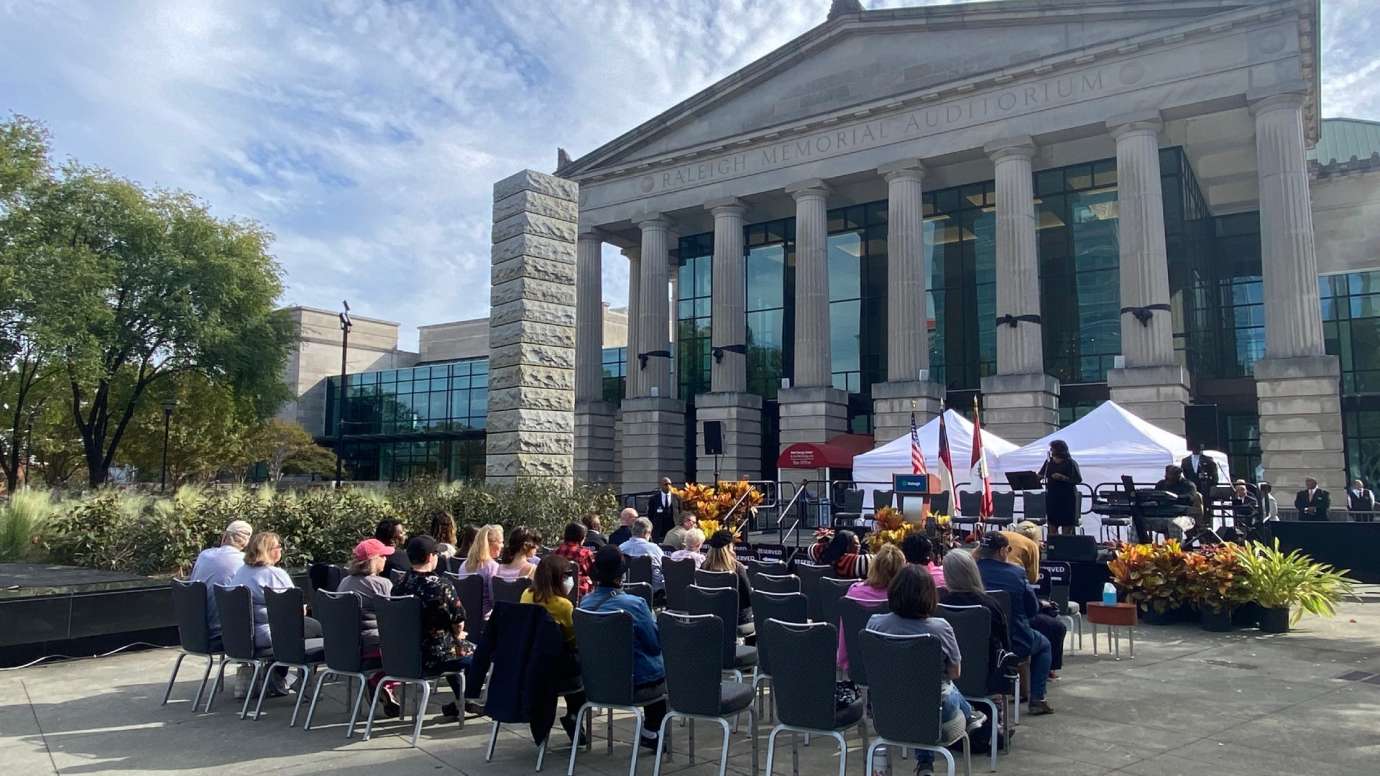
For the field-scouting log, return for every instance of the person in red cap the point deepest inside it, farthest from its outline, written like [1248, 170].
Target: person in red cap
[366, 567]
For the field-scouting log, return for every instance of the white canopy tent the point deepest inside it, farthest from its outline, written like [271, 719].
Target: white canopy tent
[872, 470]
[1107, 443]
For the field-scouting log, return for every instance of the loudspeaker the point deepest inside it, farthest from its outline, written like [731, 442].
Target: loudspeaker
[1200, 425]
[713, 437]
[1078, 548]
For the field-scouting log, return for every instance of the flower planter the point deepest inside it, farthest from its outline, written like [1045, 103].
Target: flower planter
[1274, 620]
[1246, 615]
[1172, 616]
[1215, 620]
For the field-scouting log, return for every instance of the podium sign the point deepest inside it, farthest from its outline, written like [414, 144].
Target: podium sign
[914, 484]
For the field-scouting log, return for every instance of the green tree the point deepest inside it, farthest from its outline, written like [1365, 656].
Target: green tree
[286, 447]
[139, 287]
[206, 431]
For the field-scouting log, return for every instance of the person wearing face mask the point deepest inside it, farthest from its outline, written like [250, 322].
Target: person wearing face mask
[552, 585]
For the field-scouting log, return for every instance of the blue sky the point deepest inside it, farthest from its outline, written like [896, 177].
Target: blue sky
[367, 135]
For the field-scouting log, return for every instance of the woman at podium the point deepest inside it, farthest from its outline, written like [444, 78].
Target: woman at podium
[1061, 478]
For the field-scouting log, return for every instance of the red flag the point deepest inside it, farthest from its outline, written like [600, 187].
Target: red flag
[978, 469]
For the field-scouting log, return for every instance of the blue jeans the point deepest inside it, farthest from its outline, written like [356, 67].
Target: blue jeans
[1041, 654]
[951, 702]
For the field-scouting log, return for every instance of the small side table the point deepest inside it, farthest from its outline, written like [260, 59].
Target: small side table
[1116, 617]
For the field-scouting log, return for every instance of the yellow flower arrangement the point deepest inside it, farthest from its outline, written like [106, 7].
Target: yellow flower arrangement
[711, 503]
[890, 527]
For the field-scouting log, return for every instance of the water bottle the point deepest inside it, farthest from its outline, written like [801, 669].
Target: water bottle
[1109, 594]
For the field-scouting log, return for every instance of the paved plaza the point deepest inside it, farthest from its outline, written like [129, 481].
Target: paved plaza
[1191, 702]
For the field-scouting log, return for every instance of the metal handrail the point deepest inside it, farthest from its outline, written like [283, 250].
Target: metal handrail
[782, 515]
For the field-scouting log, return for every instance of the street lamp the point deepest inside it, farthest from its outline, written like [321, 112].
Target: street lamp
[345, 326]
[168, 407]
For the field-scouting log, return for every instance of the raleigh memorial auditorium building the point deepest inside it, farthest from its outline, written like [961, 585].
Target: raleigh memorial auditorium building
[1047, 204]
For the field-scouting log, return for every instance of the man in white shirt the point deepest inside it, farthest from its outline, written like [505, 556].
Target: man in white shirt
[641, 544]
[216, 565]
[1361, 501]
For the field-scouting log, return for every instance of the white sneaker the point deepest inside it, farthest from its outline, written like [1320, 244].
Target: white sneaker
[979, 719]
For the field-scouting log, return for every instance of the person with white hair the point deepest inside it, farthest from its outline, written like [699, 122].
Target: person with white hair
[641, 544]
[216, 565]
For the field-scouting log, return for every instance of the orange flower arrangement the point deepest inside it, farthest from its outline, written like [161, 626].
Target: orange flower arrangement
[891, 527]
[712, 503]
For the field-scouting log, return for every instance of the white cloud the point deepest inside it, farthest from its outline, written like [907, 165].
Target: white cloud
[368, 135]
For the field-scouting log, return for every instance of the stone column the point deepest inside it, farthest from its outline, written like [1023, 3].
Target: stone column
[593, 416]
[1152, 384]
[653, 437]
[1296, 382]
[634, 256]
[738, 412]
[812, 410]
[531, 419]
[908, 336]
[1021, 402]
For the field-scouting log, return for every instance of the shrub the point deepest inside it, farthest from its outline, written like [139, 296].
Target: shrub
[1294, 581]
[1153, 576]
[22, 520]
[1217, 579]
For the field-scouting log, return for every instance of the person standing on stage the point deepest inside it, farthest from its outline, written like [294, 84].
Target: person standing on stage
[1269, 506]
[1201, 470]
[663, 510]
[1312, 502]
[1360, 501]
[1061, 477]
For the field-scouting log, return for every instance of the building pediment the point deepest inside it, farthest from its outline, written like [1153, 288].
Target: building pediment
[878, 60]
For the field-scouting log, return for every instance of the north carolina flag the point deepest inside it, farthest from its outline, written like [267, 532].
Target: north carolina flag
[979, 472]
[946, 466]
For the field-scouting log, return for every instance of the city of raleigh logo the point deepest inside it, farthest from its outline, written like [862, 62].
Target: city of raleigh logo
[884, 130]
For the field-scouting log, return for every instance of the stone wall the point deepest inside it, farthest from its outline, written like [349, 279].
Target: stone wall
[531, 420]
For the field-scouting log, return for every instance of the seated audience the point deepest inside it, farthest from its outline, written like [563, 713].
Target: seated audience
[260, 572]
[517, 561]
[1024, 540]
[443, 617]
[920, 552]
[886, 564]
[913, 598]
[844, 553]
[676, 536]
[462, 547]
[443, 531]
[216, 565]
[487, 544]
[963, 587]
[694, 540]
[573, 549]
[392, 533]
[594, 538]
[367, 581]
[624, 530]
[552, 584]
[722, 558]
[999, 574]
[649, 672]
[641, 544]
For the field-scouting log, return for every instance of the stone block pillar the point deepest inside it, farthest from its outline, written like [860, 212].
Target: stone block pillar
[653, 433]
[1020, 402]
[1151, 384]
[531, 419]
[908, 336]
[741, 416]
[812, 410]
[1296, 382]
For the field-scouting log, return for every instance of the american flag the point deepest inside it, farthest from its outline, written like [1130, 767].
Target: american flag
[917, 458]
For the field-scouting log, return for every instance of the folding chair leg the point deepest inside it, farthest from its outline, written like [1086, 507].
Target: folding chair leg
[771, 749]
[541, 752]
[301, 691]
[315, 693]
[579, 731]
[948, 759]
[660, 741]
[249, 694]
[263, 689]
[205, 677]
[843, 753]
[354, 710]
[215, 685]
[752, 731]
[723, 750]
[168, 693]
[637, 743]
[995, 719]
[493, 741]
[425, 693]
[369, 723]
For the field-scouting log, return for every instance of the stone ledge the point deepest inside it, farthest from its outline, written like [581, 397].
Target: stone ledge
[733, 399]
[533, 246]
[906, 389]
[539, 182]
[1295, 368]
[1138, 376]
[820, 394]
[528, 311]
[528, 354]
[540, 204]
[524, 223]
[551, 270]
[1036, 382]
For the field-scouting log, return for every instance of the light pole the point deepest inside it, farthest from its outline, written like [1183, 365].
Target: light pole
[340, 399]
[168, 407]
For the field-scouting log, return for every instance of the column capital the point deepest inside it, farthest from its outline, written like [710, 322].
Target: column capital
[633, 253]
[726, 206]
[1277, 101]
[812, 187]
[1019, 147]
[591, 235]
[1135, 123]
[654, 221]
[902, 168]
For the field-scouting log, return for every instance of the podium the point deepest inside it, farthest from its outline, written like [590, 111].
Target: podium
[918, 486]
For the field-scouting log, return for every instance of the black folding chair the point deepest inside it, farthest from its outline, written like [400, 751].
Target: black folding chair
[694, 686]
[786, 607]
[906, 707]
[236, 608]
[642, 590]
[470, 590]
[765, 566]
[775, 583]
[608, 681]
[639, 569]
[972, 628]
[400, 640]
[723, 602]
[830, 591]
[803, 664]
[192, 608]
[677, 575]
[340, 622]
[810, 574]
[291, 647]
[705, 578]
[509, 590]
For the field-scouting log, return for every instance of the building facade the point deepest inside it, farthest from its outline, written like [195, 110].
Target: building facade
[1047, 204]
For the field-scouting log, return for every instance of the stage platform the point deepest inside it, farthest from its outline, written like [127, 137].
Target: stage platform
[1346, 545]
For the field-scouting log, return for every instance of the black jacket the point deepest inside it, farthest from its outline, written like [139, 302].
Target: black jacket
[594, 540]
[530, 661]
[1322, 500]
[1362, 503]
[1205, 477]
[663, 518]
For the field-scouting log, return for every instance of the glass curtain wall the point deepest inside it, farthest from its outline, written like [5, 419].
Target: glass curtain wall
[693, 285]
[857, 306]
[960, 233]
[769, 267]
[1351, 326]
[615, 368]
[1188, 236]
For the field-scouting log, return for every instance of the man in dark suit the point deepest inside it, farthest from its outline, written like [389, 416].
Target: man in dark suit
[663, 510]
[1201, 470]
[1360, 501]
[1312, 502]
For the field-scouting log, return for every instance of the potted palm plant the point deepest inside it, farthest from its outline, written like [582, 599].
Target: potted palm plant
[1287, 585]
